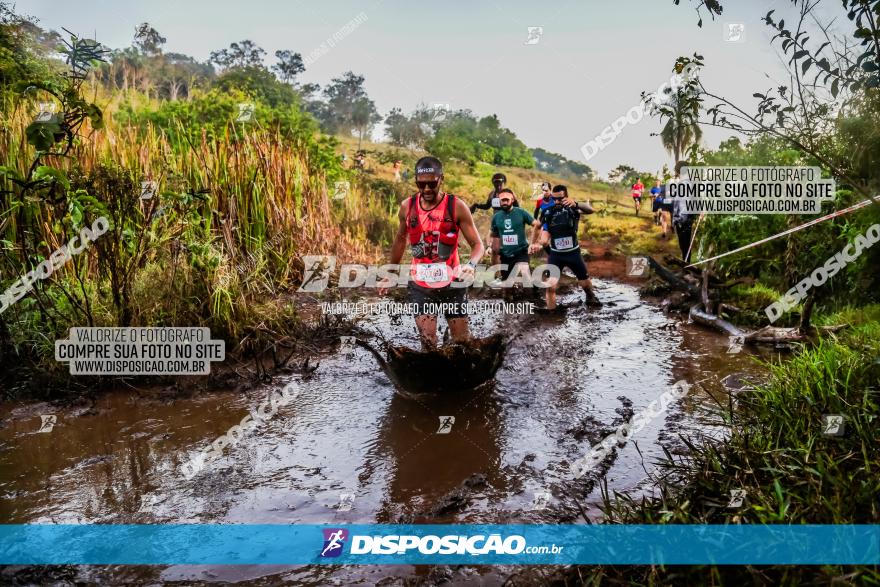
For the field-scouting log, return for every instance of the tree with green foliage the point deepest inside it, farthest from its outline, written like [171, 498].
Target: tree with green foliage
[826, 117]
[258, 83]
[679, 107]
[460, 135]
[560, 165]
[411, 131]
[289, 66]
[364, 117]
[179, 74]
[148, 40]
[347, 108]
[24, 48]
[239, 55]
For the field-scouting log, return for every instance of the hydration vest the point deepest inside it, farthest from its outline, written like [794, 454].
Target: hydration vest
[562, 224]
[433, 241]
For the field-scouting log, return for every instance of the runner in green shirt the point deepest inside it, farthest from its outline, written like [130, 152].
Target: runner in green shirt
[510, 246]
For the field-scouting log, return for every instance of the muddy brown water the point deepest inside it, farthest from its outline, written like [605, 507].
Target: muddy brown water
[349, 449]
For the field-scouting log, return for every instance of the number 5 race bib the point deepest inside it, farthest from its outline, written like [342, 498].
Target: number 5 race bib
[432, 272]
[509, 239]
[565, 242]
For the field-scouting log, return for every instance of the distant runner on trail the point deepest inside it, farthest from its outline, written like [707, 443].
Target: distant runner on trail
[656, 201]
[637, 189]
[661, 207]
[499, 181]
[510, 245]
[682, 220]
[541, 204]
[544, 201]
[560, 229]
[431, 221]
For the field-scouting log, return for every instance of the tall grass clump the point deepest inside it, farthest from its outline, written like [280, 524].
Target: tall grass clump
[235, 210]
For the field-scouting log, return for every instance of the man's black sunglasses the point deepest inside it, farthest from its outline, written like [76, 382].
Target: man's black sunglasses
[427, 184]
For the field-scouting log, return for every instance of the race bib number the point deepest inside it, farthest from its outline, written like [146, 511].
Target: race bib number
[565, 242]
[510, 239]
[496, 202]
[432, 272]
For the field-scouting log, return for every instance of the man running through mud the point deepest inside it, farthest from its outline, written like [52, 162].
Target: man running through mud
[560, 229]
[431, 221]
[510, 245]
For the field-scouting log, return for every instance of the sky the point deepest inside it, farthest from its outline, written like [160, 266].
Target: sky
[588, 68]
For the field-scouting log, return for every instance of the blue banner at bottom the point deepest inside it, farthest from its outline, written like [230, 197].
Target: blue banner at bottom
[197, 544]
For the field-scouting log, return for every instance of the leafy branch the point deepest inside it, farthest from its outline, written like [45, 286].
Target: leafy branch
[49, 131]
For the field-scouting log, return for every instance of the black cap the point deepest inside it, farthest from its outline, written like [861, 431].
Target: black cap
[429, 165]
[499, 176]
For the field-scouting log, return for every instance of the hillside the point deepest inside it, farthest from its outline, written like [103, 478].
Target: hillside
[613, 232]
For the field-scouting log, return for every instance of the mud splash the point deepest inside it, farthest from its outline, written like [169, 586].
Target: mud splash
[462, 367]
[349, 449]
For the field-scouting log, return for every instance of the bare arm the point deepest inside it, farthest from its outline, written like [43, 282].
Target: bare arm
[469, 230]
[399, 245]
[585, 207]
[496, 247]
[397, 248]
[536, 231]
[485, 206]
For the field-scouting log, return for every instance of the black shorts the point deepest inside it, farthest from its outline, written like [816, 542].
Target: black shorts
[511, 262]
[572, 260]
[637, 199]
[656, 206]
[666, 207]
[451, 300]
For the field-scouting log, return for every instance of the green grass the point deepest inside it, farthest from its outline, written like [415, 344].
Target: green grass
[777, 452]
[752, 300]
[627, 233]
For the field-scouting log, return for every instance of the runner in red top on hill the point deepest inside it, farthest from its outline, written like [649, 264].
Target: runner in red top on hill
[637, 189]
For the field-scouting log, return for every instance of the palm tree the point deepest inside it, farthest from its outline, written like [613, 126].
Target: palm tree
[682, 130]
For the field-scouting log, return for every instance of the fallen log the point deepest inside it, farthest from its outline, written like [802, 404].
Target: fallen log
[704, 298]
[673, 279]
[775, 335]
[765, 335]
[698, 315]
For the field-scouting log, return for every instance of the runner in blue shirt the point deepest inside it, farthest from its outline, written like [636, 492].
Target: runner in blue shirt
[560, 231]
